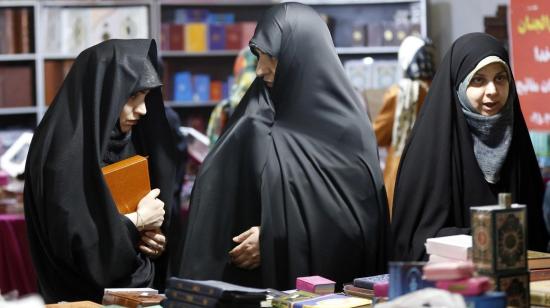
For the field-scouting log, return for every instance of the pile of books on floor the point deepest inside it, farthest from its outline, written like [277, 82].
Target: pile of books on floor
[211, 293]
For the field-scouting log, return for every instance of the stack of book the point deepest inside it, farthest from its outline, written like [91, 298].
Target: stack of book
[131, 297]
[459, 277]
[210, 293]
[499, 247]
[539, 276]
[449, 248]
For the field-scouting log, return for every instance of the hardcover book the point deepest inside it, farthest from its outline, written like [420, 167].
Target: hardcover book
[315, 284]
[540, 293]
[333, 301]
[538, 259]
[406, 277]
[293, 297]
[217, 289]
[368, 282]
[487, 300]
[516, 287]
[458, 247]
[499, 243]
[128, 181]
[131, 299]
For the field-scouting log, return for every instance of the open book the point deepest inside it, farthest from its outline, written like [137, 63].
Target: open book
[128, 181]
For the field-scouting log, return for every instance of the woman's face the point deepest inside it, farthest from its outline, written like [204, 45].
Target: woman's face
[266, 68]
[133, 110]
[488, 89]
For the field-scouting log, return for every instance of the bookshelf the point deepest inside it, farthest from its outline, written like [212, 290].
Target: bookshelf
[47, 65]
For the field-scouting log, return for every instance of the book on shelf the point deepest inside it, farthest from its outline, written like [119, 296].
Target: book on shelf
[540, 293]
[538, 259]
[191, 298]
[453, 247]
[128, 181]
[16, 85]
[315, 284]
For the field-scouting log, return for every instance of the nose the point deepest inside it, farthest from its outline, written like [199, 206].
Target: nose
[141, 109]
[491, 88]
[260, 70]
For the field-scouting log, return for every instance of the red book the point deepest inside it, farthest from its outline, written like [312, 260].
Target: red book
[233, 36]
[177, 37]
[216, 90]
[315, 284]
[247, 32]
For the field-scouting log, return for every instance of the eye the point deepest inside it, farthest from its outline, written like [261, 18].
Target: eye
[477, 80]
[502, 77]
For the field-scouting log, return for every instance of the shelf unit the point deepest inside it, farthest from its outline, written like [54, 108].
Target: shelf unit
[218, 63]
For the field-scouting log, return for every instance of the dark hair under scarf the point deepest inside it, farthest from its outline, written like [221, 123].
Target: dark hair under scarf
[79, 242]
[300, 160]
[439, 178]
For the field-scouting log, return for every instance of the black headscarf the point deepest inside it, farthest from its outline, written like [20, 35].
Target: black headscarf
[439, 178]
[299, 160]
[79, 242]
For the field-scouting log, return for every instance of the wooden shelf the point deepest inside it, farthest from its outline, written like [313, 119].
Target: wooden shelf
[209, 53]
[17, 110]
[206, 104]
[17, 57]
[367, 50]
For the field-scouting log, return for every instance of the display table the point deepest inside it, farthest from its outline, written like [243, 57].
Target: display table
[16, 269]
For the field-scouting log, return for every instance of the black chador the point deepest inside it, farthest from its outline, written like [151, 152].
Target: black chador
[300, 161]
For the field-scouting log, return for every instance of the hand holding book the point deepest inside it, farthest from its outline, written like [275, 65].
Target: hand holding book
[150, 212]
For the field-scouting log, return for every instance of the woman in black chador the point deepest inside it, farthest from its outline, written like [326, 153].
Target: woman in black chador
[293, 186]
[469, 143]
[108, 108]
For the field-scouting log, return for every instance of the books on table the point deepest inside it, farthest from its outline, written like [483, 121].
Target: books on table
[454, 247]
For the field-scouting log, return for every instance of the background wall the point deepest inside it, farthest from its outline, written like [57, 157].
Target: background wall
[449, 19]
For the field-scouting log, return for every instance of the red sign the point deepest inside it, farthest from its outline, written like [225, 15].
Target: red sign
[530, 50]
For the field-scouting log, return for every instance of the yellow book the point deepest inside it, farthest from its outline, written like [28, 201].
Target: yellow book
[196, 34]
[540, 293]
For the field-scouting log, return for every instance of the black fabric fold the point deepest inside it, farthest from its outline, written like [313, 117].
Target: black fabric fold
[300, 160]
[79, 243]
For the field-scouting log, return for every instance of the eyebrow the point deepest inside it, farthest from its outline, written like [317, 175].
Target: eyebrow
[478, 73]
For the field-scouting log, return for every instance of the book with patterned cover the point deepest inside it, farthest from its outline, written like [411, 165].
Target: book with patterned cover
[128, 181]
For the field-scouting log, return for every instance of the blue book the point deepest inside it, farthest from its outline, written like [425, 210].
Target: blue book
[487, 300]
[216, 37]
[220, 18]
[368, 282]
[183, 87]
[201, 88]
[406, 277]
[216, 289]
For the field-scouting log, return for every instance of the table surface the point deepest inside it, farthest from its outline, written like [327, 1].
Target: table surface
[16, 269]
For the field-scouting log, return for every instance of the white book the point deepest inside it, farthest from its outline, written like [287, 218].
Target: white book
[148, 291]
[453, 247]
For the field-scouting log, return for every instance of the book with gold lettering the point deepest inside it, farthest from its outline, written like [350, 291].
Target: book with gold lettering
[128, 181]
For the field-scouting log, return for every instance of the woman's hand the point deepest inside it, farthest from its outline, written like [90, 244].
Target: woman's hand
[152, 243]
[247, 254]
[150, 211]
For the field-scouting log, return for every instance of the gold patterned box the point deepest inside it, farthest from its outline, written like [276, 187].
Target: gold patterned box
[516, 287]
[499, 238]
